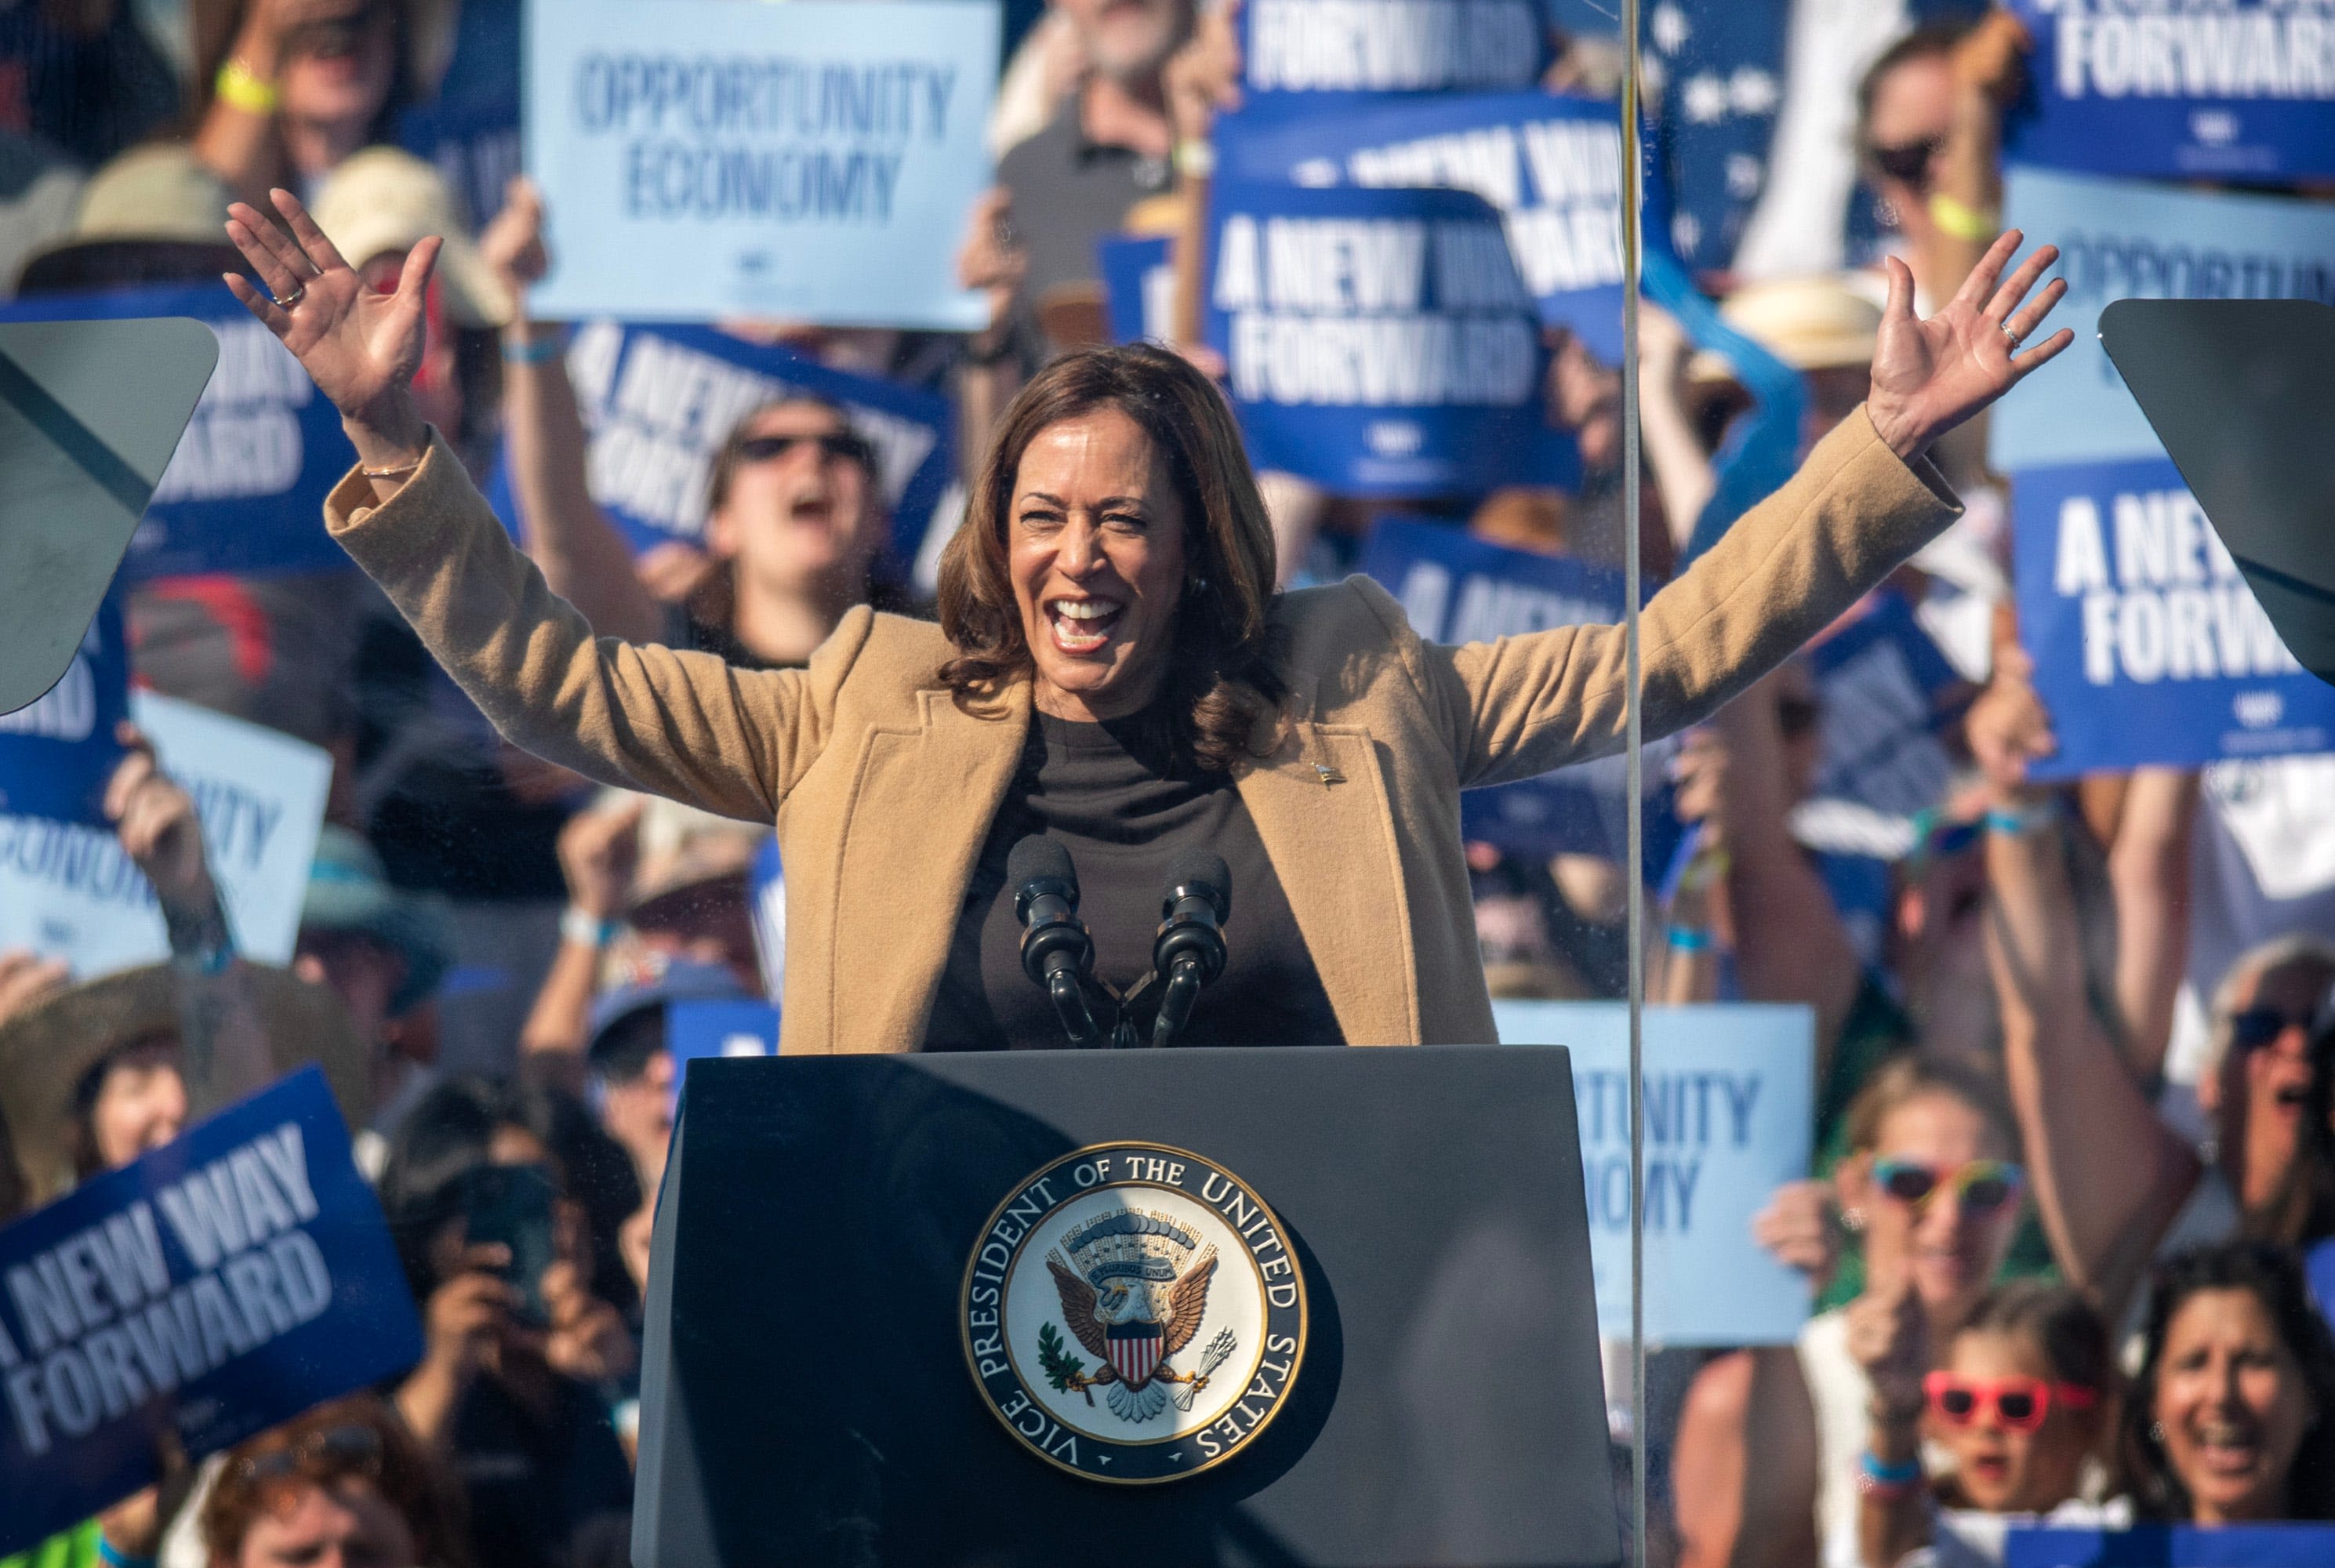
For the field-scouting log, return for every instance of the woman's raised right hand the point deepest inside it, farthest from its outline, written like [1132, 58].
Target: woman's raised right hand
[360, 347]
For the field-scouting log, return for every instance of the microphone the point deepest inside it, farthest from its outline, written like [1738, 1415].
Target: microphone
[1189, 951]
[1056, 951]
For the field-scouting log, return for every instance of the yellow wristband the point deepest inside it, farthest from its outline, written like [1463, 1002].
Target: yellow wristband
[1961, 220]
[238, 87]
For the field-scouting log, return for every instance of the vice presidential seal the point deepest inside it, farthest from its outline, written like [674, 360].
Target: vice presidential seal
[1133, 1314]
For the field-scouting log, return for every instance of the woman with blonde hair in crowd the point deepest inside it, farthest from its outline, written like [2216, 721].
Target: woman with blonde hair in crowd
[1772, 1445]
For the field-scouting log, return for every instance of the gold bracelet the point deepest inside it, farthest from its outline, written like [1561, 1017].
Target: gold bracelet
[240, 87]
[393, 469]
[1961, 220]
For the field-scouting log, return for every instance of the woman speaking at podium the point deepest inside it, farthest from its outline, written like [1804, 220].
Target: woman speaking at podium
[1113, 667]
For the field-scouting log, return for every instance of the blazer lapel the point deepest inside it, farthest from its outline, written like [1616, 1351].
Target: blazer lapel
[920, 810]
[1320, 805]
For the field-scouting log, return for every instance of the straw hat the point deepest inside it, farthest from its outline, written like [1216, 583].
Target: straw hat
[152, 196]
[382, 200]
[47, 1050]
[1819, 322]
[684, 846]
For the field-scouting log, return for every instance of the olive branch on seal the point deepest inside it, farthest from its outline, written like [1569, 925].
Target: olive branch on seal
[1062, 1370]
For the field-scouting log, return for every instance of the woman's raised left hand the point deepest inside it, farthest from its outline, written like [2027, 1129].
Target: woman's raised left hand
[1929, 376]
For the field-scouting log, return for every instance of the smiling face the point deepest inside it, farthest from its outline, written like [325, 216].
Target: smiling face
[1951, 1249]
[2261, 1093]
[141, 1102]
[2002, 1470]
[1095, 550]
[2232, 1405]
[796, 515]
[339, 65]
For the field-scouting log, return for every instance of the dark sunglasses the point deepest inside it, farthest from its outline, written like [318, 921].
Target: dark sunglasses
[1908, 162]
[2257, 1027]
[334, 1451]
[1981, 1187]
[839, 445]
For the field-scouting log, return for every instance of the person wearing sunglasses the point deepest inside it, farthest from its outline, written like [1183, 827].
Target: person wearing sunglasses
[346, 1485]
[2013, 1418]
[1929, 1189]
[793, 514]
[2120, 1187]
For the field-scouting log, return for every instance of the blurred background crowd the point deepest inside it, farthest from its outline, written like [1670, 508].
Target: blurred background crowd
[2069, 1227]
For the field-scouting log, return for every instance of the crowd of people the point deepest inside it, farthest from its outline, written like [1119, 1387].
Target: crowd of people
[2070, 1234]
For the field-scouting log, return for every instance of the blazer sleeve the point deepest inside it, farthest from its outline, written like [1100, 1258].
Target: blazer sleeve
[669, 722]
[1787, 568]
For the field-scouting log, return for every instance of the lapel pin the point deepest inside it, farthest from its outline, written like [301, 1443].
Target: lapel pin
[1329, 775]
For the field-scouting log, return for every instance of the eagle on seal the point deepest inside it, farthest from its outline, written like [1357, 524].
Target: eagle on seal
[1132, 1323]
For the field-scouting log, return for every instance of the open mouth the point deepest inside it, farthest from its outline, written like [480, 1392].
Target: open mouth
[1083, 625]
[2228, 1447]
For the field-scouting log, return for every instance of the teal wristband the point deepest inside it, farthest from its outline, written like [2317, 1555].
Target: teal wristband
[540, 351]
[1899, 1475]
[1688, 939]
[2033, 820]
[112, 1556]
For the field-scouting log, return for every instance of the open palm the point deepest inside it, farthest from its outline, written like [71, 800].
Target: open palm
[1929, 376]
[359, 346]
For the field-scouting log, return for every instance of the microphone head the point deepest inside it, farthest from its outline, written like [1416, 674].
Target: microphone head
[1040, 858]
[1203, 873]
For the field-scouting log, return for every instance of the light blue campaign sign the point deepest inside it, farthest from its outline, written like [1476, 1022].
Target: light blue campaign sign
[1379, 343]
[2128, 239]
[1459, 589]
[2148, 646]
[2171, 1546]
[2179, 88]
[245, 491]
[813, 161]
[1730, 1117]
[56, 755]
[223, 1283]
[1301, 56]
[658, 401]
[1550, 164]
[1139, 286]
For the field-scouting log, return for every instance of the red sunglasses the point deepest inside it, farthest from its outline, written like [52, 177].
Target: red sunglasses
[2019, 1403]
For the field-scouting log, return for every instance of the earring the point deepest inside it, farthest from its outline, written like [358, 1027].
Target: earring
[2157, 1433]
[1853, 1219]
[1200, 585]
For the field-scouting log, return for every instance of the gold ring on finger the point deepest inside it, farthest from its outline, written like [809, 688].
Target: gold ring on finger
[300, 290]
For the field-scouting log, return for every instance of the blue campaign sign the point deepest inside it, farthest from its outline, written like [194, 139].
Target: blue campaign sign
[56, 755]
[1888, 692]
[813, 161]
[1299, 56]
[658, 402]
[1459, 589]
[245, 492]
[1379, 343]
[1549, 163]
[1139, 286]
[701, 1029]
[222, 1284]
[766, 903]
[2148, 646]
[1730, 1115]
[2129, 239]
[2171, 1546]
[469, 127]
[2179, 88]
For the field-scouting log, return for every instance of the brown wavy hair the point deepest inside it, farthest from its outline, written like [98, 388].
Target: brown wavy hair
[1223, 674]
[265, 1472]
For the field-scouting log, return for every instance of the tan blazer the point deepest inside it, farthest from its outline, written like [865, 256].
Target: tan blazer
[883, 787]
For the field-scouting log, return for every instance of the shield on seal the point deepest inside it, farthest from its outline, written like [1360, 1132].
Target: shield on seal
[1134, 1351]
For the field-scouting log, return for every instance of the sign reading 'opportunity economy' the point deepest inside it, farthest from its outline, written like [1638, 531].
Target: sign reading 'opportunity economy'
[814, 160]
[1729, 1114]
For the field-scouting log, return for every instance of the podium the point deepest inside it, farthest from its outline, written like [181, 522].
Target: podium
[1187, 1309]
